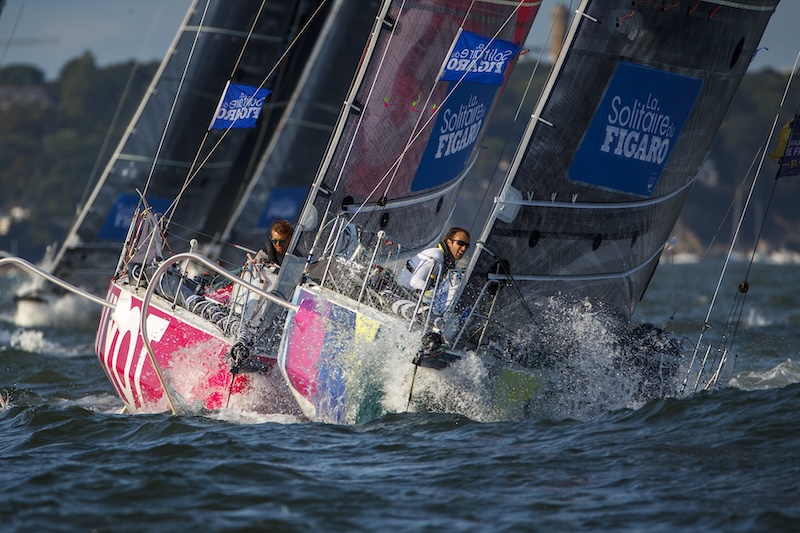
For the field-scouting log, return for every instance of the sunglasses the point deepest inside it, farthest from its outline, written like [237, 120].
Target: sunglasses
[278, 241]
[461, 243]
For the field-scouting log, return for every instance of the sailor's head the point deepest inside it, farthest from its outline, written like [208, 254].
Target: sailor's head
[279, 235]
[457, 241]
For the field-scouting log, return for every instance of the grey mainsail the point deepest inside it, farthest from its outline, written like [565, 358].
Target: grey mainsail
[162, 145]
[388, 170]
[607, 161]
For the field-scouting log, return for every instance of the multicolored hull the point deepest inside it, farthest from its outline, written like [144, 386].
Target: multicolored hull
[326, 356]
[347, 364]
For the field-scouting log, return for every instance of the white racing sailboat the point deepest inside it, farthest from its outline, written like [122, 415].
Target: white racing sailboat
[540, 321]
[419, 107]
[168, 342]
[158, 147]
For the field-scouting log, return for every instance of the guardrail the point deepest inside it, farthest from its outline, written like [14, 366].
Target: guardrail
[26, 265]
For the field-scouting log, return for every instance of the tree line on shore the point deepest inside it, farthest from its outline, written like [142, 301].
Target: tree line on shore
[55, 139]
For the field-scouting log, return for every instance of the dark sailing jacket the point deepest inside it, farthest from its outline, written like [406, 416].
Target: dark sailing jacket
[267, 254]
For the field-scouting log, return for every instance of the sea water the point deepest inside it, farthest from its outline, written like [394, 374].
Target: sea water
[720, 460]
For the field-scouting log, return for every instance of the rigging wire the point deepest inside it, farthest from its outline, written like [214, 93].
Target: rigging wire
[318, 185]
[173, 106]
[743, 286]
[732, 325]
[189, 175]
[490, 186]
[360, 120]
[416, 134]
[539, 60]
[13, 31]
[431, 90]
[502, 263]
[118, 111]
[713, 240]
[195, 168]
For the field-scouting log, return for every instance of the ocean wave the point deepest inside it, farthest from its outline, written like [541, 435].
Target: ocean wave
[786, 373]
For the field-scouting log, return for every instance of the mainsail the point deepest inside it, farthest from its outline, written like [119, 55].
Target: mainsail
[290, 160]
[608, 159]
[409, 136]
[162, 145]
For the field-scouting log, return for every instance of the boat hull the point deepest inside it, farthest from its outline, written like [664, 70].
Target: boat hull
[320, 351]
[193, 359]
[347, 364]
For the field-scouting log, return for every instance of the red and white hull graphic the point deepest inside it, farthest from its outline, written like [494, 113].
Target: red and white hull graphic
[194, 362]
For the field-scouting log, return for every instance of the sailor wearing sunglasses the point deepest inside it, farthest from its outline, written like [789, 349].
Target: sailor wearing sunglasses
[274, 249]
[262, 270]
[421, 271]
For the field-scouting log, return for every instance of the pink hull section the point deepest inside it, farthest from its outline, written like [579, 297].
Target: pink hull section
[324, 347]
[195, 363]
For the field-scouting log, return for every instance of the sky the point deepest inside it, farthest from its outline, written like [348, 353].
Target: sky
[48, 33]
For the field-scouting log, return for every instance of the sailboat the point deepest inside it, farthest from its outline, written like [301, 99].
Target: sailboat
[166, 345]
[389, 182]
[158, 157]
[539, 320]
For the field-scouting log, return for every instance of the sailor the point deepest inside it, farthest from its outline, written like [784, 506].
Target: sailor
[274, 249]
[421, 272]
[262, 270]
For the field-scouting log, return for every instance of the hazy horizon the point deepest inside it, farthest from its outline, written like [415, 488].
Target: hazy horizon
[49, 33]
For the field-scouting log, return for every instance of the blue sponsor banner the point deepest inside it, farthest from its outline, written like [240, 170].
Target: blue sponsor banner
[459, 123]
[479, 59]
[115, 227]
[239, 107]
[635, 128]
[283, 204]
[790, 161]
